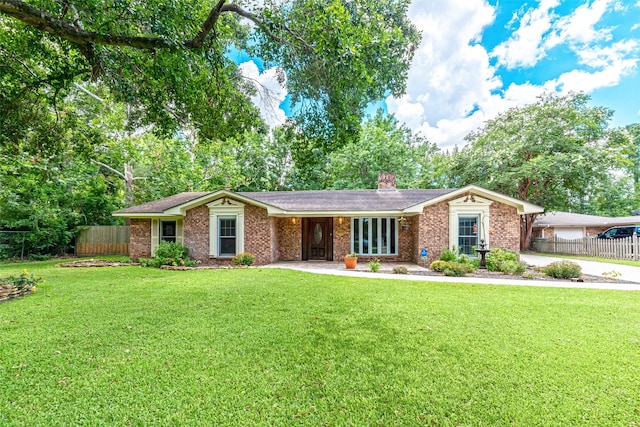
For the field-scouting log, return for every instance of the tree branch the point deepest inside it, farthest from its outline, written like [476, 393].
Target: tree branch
[58, 27]
[260, 23]
[207, 26]
[75, 33]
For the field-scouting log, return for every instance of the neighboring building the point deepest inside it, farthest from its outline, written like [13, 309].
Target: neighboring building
[567, 225]
[390, 224]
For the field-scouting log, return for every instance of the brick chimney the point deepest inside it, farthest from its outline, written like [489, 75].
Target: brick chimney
[386, 181]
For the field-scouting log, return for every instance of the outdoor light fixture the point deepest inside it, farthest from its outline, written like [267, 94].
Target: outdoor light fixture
[403, 223]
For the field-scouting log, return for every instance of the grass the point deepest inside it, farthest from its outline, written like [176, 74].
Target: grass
[134, 346]
[629, 262]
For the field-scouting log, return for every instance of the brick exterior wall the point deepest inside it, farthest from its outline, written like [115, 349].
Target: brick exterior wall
[140, 239]
[504, 223]
[594, 231]
[433, 232]
[288, 239]
[257, 234]
[196, 233]
[280, 239]
[341, 237]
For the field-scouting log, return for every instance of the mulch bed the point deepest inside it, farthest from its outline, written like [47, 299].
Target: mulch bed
[530, 274]
[95, 263]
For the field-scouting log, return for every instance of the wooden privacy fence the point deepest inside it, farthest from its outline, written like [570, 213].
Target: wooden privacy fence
[103, 240]
[627, 248]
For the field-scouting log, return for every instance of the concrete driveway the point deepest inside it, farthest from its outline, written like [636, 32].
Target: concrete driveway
[592, 268]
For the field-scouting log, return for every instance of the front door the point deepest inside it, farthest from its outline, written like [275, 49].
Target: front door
[317, 239]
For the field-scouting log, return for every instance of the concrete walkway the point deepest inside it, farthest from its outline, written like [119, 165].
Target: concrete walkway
[386, 272]
[592, 268]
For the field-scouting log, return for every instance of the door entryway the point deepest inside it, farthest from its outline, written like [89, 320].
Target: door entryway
[317, 239]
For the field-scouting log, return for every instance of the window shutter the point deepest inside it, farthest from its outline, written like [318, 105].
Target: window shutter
[179, 232]
[155, 235]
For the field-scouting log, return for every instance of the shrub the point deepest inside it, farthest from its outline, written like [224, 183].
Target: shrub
[374, 264]
[499, 259]
[563, 270]
[438, 265]
[513, 267]
[448, 255]
[451, 268]
[243, 258]
[470, 264]
[169, 253]
[400, 270]
[455, 269]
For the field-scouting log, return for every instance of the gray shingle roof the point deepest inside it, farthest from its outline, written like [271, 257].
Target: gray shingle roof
[159, 206]
[309, 201]
[345, 200]
[581, 220]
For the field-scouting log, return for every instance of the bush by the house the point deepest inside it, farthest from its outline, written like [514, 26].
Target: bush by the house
[448, 255]
[452, 268]
[456, 269]
[451, 264]
[374, 264]
[400, 270]
[505, 261]
[563, 270]
[169, 253]
[438, 265]
[244, 258]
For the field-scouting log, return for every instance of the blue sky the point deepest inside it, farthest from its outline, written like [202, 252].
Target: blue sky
[480, 57]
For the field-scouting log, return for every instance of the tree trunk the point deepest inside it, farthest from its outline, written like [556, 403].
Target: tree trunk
[526, 229]
[128, 183]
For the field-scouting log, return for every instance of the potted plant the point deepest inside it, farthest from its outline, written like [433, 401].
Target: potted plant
[351, 260]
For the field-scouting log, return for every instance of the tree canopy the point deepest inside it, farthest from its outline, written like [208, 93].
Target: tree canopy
[550, 153]
[169, 59]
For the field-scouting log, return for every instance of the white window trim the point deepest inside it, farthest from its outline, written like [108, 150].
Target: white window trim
[225, 207]
[155, 232]
[467, 206]
[389, 237]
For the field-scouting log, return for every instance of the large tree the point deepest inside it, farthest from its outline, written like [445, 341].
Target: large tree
[170, 59]
[548, 153]
[382, 146]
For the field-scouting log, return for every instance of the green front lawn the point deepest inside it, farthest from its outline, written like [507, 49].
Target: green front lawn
[134, 346]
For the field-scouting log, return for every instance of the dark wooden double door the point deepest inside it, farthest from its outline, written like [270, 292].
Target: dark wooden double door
[317, 239]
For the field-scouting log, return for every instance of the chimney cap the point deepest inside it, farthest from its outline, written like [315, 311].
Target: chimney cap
[386, 181]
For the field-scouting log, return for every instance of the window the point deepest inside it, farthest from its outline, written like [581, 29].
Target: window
[226, 228]
[227, 235]
[374, 236]
[168, 231]
[468, 230]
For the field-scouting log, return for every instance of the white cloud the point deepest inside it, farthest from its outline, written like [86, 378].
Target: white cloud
[598, 57]
[453, 88]
[270, 92]
[579, 27]
[526, 47]
[450, 73]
